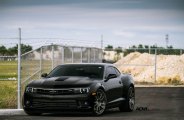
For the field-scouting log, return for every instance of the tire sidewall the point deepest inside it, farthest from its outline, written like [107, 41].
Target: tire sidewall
[93, 109]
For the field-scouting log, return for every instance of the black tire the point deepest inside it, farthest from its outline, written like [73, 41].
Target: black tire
[100, 101]
[129, 103]
[32, 113]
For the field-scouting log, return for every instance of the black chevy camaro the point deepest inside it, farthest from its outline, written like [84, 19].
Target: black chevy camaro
[85, 87]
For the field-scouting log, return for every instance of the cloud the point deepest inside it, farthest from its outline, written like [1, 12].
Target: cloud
[125, 34]
[114, 18]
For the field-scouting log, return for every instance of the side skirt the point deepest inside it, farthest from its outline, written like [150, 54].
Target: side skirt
[115, 103]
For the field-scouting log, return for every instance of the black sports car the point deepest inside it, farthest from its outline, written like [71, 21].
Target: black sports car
[86, 87]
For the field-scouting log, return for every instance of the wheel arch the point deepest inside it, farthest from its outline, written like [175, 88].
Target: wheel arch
[127, 83]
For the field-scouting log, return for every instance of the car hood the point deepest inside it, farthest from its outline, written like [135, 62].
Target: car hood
[62, 82]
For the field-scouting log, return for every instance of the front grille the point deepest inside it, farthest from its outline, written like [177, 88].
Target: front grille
[53, 104]
[54, 91]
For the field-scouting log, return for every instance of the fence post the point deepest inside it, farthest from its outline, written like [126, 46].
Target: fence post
[89, 56]
[102, 55]
[155, 65]
[19, 72]
[180, 51]
[63, 52]
[72, 55]
[41, 58]
[94, 50]
[52, 56]
[81, 54]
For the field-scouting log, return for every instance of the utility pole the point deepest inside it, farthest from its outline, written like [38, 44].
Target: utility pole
[19, 72]
[102, 56]
[102, 42]
[167, 40]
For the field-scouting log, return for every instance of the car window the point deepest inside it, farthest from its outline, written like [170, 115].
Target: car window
[110, 70]
[117, 71]
[91, 71]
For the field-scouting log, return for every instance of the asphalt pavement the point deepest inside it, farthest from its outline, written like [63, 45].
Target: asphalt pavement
[152, 103]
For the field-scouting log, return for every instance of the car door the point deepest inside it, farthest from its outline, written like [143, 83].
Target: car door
[119, 87]
[113, 85]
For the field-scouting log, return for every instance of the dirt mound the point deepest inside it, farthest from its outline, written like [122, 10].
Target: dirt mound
[170, 68]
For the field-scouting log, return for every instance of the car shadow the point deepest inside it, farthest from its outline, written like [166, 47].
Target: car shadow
[81, 114]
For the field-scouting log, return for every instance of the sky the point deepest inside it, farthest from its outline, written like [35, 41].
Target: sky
[122, 23]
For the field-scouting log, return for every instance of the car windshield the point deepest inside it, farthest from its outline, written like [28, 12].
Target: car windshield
[91, 71]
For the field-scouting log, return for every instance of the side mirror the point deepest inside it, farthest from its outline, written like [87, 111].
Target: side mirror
[44, 75]
[110, 76]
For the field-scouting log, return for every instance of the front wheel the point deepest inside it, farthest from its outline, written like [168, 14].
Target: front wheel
[100, 101]
[129, 103]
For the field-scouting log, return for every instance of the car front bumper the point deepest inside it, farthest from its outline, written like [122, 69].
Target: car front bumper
[56, 103]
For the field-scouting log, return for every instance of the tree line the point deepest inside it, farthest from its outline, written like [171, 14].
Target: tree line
[12, 51]
[169, 50]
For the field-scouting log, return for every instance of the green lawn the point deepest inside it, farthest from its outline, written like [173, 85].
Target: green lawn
[8, 94]
[8, 70]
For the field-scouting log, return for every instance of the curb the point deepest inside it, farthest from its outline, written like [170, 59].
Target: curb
[159, 86]
[5, 112]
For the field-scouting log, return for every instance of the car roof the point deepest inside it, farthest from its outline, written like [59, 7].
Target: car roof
[102, 64]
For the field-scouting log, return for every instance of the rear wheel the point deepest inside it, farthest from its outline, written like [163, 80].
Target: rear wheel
[100, 101]
[129, 103]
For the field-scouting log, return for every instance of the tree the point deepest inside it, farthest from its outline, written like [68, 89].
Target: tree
[109, 48]
[154, 46]
[133, 46]
[170, 47]
[13, 50]
[146, 46]
[118, 50]
[140, 46]
[3, 50]
[25, 48]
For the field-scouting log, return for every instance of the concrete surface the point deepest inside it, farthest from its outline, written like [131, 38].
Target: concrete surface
[152, 103]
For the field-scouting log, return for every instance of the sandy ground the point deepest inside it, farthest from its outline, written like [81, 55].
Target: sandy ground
[142, 67]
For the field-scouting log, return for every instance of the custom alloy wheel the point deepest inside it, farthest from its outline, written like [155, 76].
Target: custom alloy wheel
[129, 104]
[131, 99]
[99, 102]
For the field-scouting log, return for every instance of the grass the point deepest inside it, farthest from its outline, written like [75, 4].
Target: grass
[8, 94]
[8, 70]
[8, 89]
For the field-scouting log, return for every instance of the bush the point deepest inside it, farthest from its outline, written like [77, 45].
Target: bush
[174, 80]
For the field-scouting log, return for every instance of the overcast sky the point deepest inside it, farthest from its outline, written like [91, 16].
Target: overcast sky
[82, 22]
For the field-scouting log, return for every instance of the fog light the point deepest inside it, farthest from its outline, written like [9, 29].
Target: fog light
[85, 103]
[27, 103]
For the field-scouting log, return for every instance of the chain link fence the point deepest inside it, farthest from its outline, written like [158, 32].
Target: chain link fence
[154, 65]
[36, 62]
[8, 68]
[45, 58]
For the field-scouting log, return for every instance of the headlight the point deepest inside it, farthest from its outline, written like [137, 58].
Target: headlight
[82, 90]
[29, 90]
